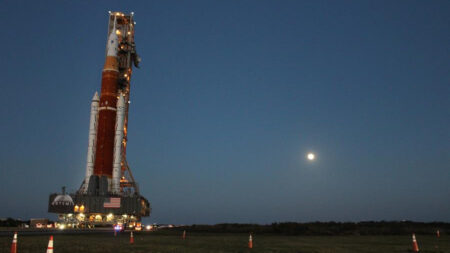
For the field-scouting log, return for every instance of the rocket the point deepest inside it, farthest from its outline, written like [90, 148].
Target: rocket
[92, 141]
[118, 138]
[109, 191]
[105, 135]
[107, 109]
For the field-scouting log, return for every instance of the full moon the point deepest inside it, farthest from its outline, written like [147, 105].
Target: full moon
[311, 156]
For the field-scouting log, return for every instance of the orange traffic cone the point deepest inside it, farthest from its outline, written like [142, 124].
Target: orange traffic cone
[131, 238]
[184, 235]
[50, 245]
[250, 242]
[414, 242]
[14, 243]
[438, 234]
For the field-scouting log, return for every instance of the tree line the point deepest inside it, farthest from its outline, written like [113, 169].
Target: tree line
[327, 228]
[10, 222]
[308, 228]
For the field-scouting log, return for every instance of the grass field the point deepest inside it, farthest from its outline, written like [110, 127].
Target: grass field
[170, 241]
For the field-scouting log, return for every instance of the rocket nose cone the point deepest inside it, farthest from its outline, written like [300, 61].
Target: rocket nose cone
[113, 42]
[115, 21]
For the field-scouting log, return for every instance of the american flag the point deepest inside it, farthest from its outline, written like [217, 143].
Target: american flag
[112, 203]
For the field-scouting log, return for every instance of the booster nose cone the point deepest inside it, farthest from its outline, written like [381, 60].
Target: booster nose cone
[95, 97]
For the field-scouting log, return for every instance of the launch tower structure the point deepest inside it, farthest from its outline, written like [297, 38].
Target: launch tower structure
[109, 193]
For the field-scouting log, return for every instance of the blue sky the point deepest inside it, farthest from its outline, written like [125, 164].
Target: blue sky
[230, 97]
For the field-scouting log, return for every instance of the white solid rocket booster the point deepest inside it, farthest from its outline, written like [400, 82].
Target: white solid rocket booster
[118, 138]
[92, 139]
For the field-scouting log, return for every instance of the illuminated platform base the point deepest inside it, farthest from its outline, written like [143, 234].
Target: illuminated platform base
[91, 220]
[88, 211]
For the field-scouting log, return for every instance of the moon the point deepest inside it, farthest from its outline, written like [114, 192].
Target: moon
[311, 156]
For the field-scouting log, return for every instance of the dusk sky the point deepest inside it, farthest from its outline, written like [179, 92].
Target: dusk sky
[230, 97]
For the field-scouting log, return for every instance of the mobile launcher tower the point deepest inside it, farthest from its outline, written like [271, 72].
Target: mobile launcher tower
[109, 194]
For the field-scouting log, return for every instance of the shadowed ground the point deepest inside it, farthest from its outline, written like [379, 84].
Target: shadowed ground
[170, 241]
